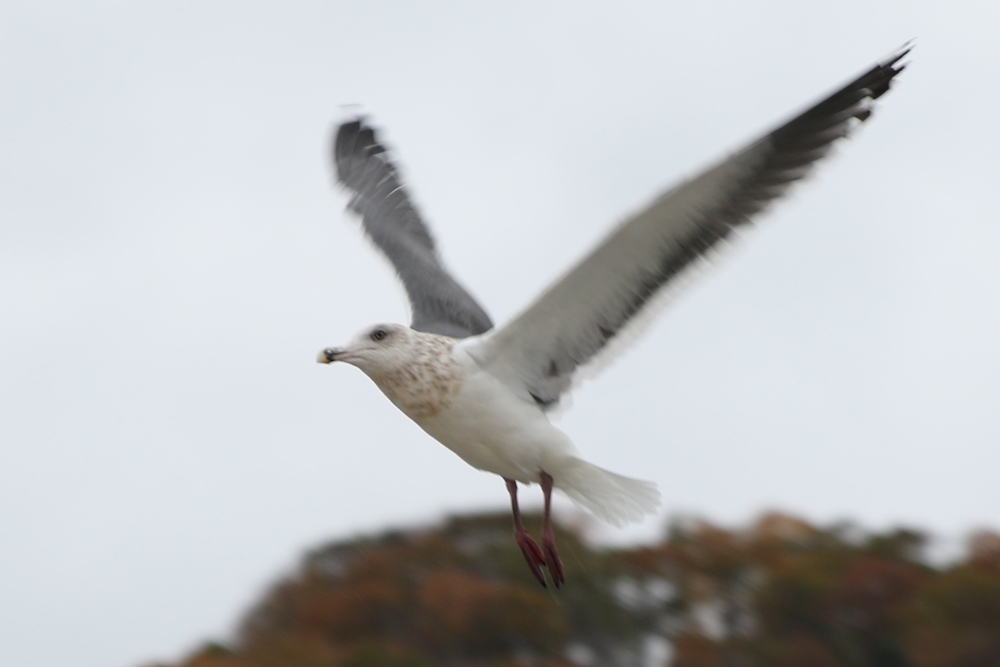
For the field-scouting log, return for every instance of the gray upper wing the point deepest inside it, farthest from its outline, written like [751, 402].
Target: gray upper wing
[538, 352]
[439, 304]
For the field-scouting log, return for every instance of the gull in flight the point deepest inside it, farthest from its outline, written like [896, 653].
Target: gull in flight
[484, 392]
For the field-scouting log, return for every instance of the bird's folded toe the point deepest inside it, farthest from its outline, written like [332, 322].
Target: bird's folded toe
[553, 562]
[533, 555]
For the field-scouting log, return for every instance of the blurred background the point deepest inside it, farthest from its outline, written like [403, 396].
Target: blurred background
[173, 253]
[776, 592]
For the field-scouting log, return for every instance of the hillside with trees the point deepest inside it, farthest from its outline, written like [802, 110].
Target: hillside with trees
[780, 593]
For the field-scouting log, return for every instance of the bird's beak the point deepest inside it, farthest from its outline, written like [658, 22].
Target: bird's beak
[329, 355]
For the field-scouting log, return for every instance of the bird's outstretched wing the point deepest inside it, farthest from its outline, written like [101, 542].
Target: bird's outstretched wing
[439, 304]
[537, 353]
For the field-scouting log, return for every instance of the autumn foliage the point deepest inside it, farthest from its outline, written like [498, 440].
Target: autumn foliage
[781, 593]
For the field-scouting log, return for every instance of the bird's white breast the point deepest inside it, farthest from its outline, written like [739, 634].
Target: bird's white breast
[465, 408]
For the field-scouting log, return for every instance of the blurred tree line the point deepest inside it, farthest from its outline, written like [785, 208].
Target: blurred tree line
[781, 593]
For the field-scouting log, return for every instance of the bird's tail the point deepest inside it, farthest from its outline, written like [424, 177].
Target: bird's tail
[612, 498]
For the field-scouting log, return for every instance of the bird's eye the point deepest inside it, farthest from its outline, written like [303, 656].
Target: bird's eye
[379, 334]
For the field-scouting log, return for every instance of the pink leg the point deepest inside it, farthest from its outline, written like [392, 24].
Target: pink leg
[532, 553]
[552, 560]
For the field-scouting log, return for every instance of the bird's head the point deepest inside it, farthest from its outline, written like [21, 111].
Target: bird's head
[376, 350]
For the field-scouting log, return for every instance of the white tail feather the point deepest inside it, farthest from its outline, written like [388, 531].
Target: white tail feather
[612, 498]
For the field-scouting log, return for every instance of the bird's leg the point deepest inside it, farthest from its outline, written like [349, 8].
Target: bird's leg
[532, 553]
[552, 560]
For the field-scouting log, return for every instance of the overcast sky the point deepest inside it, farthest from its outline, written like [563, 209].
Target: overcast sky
[173, 254]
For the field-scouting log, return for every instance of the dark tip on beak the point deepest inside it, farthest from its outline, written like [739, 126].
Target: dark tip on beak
[329, 355]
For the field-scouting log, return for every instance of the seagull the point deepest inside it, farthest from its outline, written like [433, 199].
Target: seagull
[485, 392]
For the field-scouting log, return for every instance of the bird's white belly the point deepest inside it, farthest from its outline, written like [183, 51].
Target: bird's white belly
[492, 429]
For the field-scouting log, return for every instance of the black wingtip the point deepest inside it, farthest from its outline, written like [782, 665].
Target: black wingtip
[883, 73]
[354, 142]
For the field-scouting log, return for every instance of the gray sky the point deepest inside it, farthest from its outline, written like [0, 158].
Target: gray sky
[173, 255]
